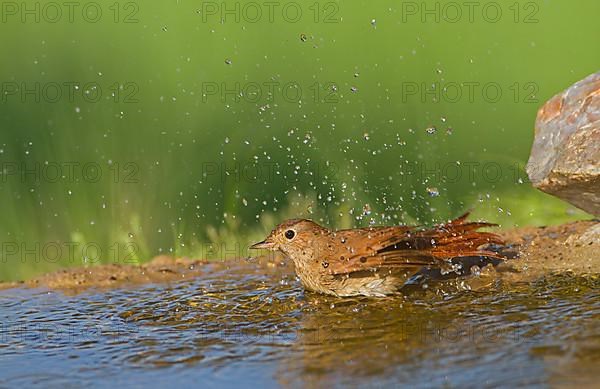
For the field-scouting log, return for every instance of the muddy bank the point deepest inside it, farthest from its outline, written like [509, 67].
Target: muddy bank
[538, 251]
[160, 269]
[572, 247]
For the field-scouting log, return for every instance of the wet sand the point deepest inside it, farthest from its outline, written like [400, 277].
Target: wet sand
[538, 251]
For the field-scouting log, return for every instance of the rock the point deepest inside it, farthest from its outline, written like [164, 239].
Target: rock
[565, 156]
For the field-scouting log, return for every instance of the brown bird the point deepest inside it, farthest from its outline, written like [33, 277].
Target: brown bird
[375, 261]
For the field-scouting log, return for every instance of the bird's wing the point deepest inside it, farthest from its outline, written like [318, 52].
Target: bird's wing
[372, 249]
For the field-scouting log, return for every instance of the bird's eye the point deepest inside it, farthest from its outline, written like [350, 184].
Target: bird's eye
[290, 234]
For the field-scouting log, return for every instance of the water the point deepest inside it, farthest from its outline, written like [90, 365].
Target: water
[251, 323]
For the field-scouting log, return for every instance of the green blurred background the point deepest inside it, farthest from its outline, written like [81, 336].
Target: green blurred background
[191, 133]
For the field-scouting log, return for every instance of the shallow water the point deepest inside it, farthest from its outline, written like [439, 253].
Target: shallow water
[247, 323]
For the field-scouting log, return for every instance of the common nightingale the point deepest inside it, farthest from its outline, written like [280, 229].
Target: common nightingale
[375, 261]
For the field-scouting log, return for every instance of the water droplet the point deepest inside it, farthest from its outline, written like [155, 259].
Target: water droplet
[366, 209]
[475, 270]
[433, 192]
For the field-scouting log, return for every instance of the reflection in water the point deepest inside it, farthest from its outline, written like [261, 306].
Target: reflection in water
[253, 323]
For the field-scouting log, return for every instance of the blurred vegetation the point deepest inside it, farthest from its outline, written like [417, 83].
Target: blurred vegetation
[190, 152]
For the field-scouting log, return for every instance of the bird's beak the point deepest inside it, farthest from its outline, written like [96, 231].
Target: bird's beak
[265, 245]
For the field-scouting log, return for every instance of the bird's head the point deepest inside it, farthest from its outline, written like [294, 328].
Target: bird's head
[292, 237]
